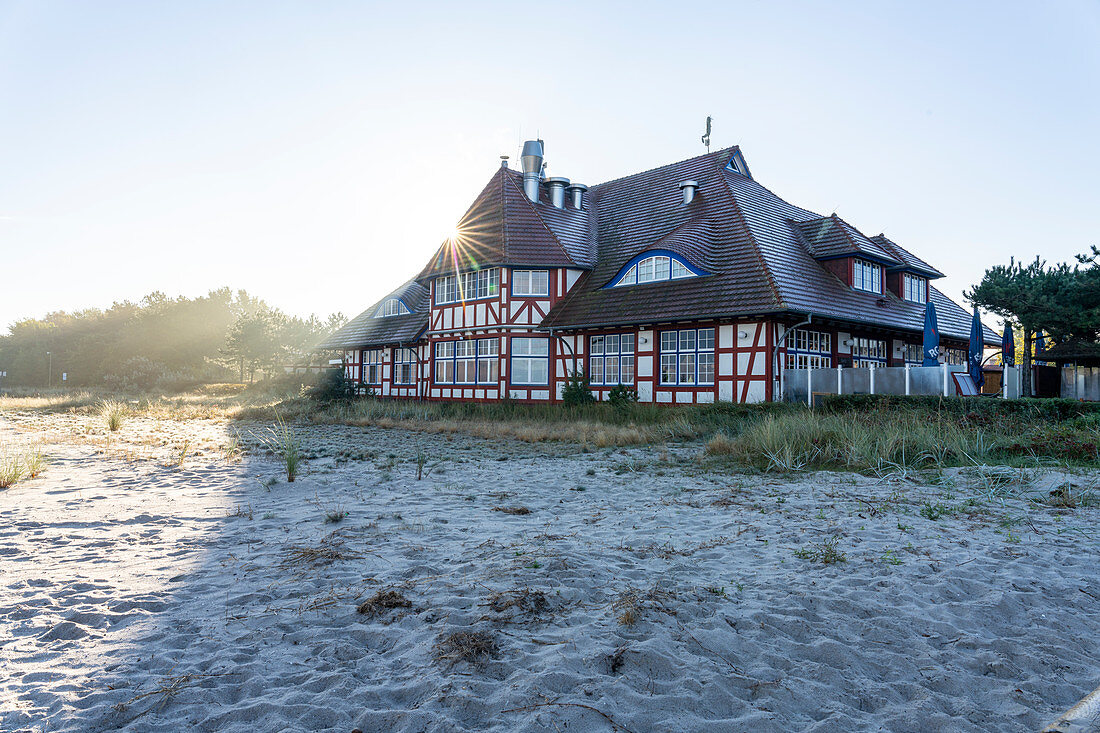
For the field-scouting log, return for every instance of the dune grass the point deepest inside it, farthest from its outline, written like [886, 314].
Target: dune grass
[853, 441]
[16, 466]
[113, 413]
[850, 433]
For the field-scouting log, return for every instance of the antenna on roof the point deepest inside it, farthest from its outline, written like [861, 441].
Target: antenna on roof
[706, 135]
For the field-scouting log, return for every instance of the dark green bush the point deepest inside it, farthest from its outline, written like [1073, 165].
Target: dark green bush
[577, 390]
[333, 386]
[622, 396]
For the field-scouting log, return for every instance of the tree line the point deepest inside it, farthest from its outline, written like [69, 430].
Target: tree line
[161, 342]
[1058, 302]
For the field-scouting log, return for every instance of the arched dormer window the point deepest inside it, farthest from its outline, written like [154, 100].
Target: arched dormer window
[655, 266]
[392, 307]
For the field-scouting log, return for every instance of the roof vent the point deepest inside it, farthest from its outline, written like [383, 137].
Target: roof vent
[576, 194]
[688, 188]
[556, 186]
[504, 161]
[531, 161]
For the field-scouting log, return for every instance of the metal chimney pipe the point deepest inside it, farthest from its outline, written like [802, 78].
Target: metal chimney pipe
[576, 193]
[504, 161]
[556, 187]
[688, 189]
[531, 161]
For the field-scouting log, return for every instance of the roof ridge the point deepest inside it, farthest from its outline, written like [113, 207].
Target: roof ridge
[761, 261]
[666, 165]
[570, 294]
[531, 205]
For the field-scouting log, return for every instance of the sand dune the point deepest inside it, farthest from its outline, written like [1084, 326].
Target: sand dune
[639, 592]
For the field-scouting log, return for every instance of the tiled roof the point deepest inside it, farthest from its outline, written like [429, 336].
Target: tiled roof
[369, 329]
[831, 236]
[645, 212]
[908, 260]
[754, 244]
[504, 227]
[762, 255]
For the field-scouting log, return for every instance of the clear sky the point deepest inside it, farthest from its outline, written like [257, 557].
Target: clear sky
[317, 153]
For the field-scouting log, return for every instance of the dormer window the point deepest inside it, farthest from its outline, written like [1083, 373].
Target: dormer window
[655, 268]
[866, 276]
[392, 307]
[914, 288]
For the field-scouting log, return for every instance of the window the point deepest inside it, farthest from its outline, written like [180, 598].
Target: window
[446, 289]
[445, 362]
[866, 276]
[467, 286]
[953, 356]
[687, 357]
[809, 349]
[392, 307]
[530, 361]
[404, 366]
[914, 354]
[488, 360]
[868, 352]
[611, 359]
[530, 282]
[914, 289]
[372, 366]
[656, 269]
[472, 361]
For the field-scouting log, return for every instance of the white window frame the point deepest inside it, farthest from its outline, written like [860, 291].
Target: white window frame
[404, 366]
[866, 276]
[953, 356]
[869, 352]
[392, 307]
[656, 268]
[527, 354]
[371, 373]
[914, 288]
[464, 361]
[809, 349]
[467, 286]
[531, 283]
[611, 359]
[686, 354]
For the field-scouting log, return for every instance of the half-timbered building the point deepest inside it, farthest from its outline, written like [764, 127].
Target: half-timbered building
[690, 283]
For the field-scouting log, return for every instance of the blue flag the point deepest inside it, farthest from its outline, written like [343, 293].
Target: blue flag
[931, 337]
[975, 353]
[1008, 347]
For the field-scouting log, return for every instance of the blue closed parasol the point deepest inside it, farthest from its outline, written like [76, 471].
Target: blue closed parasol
[931, 337]
[975, 352]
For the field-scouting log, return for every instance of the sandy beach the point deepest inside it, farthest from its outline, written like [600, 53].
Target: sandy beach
[172, 579]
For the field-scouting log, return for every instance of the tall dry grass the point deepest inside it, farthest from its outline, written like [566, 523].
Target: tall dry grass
[853, 441]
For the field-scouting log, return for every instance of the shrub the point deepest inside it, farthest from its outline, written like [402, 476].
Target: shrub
[622, 396]
[333, 386]
[577, 390]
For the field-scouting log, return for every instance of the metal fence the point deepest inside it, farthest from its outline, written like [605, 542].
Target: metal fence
[1081, 383]
[802, 385]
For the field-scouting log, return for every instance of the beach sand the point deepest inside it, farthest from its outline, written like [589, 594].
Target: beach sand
[160, 582]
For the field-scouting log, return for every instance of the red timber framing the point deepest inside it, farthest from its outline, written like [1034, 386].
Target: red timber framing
[501, 318]
[747, 362]
[741, 362]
